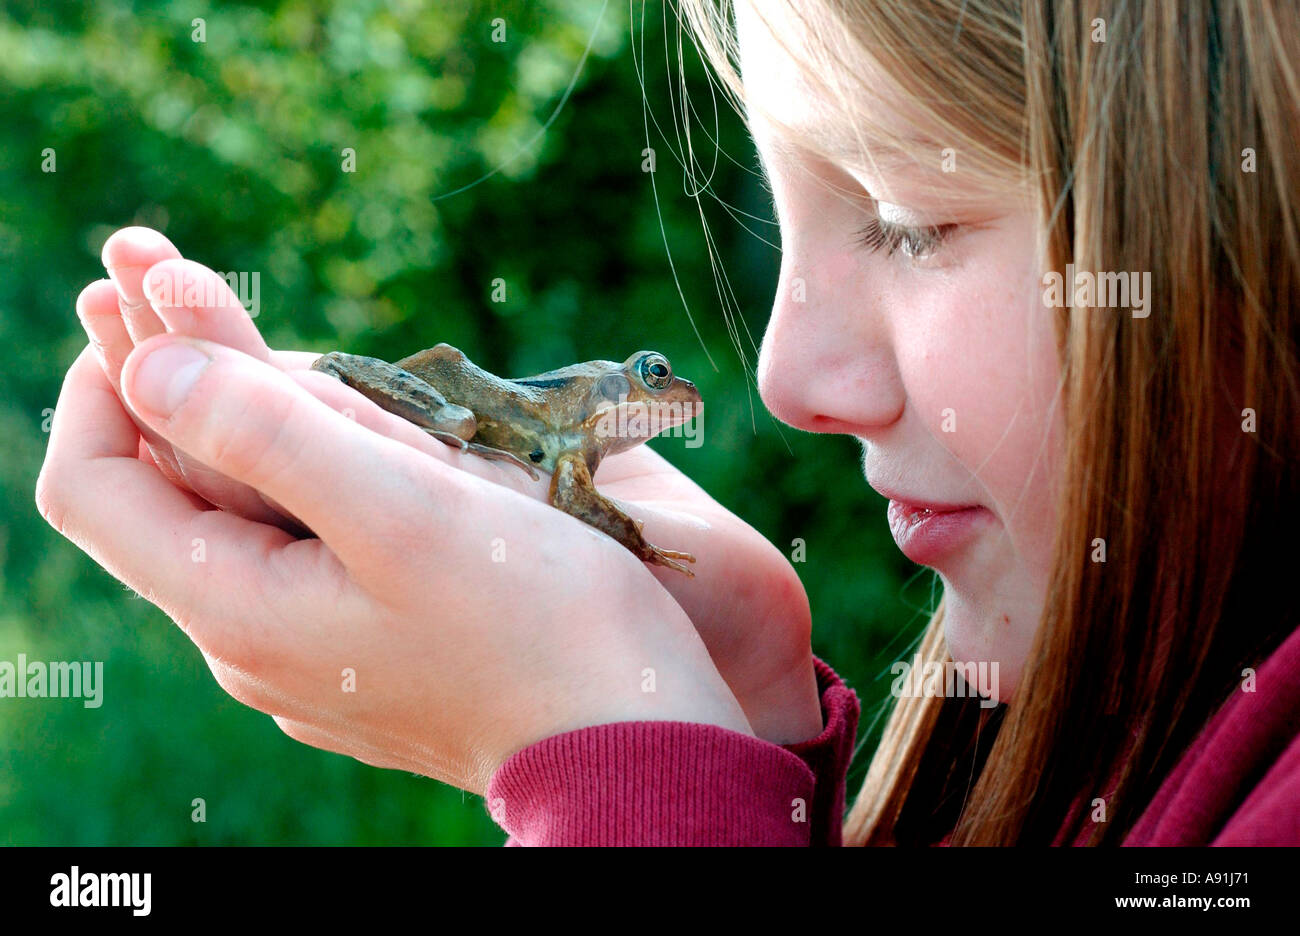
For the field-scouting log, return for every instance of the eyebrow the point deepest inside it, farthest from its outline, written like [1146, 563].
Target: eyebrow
[838, 150]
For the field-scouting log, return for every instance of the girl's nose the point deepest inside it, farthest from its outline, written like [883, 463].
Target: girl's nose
[827, 363]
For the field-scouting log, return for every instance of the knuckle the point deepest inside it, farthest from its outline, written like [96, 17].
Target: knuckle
[303, 733]
[258, 442]
[238, 650]
[243, 687]
[291, 728]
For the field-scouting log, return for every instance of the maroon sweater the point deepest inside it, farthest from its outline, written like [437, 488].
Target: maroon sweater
[679, 783]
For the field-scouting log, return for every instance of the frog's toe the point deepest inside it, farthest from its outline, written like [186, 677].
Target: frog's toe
[668, 557]
[447, 438]
[495, 454]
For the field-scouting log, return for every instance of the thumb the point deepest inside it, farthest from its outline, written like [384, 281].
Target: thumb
[256, 424]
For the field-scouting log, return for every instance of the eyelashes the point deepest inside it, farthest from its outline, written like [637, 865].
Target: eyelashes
[917, 243]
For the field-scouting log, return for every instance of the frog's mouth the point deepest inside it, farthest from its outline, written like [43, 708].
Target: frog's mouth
[674, 413]
[644, 419]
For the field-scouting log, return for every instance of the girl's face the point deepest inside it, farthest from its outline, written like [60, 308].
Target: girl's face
[909, 315]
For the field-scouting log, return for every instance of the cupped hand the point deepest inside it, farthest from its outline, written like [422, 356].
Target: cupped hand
[746, 600]
[438, 624]
[151, 291]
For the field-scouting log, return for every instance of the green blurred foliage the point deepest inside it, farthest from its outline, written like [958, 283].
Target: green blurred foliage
[234, 146]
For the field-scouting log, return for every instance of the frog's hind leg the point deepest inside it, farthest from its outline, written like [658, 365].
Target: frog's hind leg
[415, 400]
[495, 454]
[573, 492]
[403, 394]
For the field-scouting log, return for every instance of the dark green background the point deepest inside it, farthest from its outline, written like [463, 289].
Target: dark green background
[232, 147]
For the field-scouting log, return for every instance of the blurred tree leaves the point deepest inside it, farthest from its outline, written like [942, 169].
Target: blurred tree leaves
[235, 147]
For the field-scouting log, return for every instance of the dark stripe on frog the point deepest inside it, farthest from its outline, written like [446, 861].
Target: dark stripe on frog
[544, 383]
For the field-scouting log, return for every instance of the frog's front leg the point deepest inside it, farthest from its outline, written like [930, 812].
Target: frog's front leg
[403, 394]
[573, 492]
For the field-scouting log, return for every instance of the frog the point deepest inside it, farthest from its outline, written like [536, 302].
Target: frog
[564, 422]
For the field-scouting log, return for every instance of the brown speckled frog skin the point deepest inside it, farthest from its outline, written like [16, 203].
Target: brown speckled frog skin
[564, 421]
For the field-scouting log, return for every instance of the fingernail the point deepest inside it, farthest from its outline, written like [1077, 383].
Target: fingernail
[165, 378]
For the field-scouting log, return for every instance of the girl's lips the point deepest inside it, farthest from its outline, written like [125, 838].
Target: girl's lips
[927, 534]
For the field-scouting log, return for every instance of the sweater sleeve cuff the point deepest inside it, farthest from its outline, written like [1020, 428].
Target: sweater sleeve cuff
[828, 755]
[653, 783]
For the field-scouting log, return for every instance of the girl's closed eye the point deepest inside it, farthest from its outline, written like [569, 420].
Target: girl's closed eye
[915, 242]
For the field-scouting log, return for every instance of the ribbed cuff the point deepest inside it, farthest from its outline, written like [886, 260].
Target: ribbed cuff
[828, 754]
[653, 783]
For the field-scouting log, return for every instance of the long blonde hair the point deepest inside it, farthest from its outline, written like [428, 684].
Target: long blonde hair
[1156, 137]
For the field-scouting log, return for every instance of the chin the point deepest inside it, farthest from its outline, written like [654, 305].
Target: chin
[989, 643]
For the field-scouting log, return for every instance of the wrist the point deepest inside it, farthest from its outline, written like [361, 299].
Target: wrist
[788, 710]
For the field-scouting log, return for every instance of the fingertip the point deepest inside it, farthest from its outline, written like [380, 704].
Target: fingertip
[179, 283]
[163, 282]
[146, 347]
[97, 298]
[190, 298]
[161, 371]
[135, 246]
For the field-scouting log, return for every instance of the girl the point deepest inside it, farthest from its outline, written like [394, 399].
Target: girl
[1043, 262]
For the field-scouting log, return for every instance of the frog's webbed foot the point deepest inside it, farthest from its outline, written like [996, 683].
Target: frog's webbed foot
[484, 451]
[667, 555]
[573, 492]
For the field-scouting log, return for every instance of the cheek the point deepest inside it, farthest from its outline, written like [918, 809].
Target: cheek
[981, 368]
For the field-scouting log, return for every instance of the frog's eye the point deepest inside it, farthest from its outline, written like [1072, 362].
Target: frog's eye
[655, 371]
